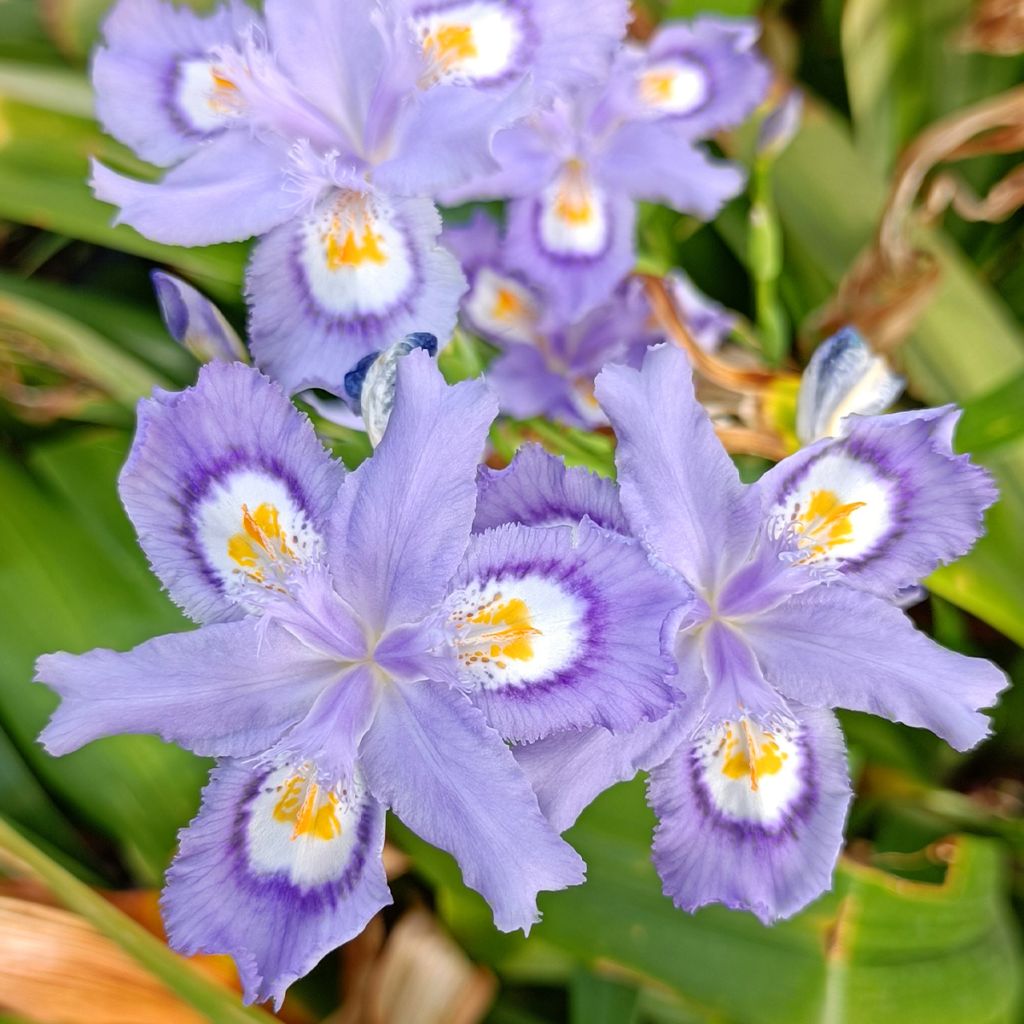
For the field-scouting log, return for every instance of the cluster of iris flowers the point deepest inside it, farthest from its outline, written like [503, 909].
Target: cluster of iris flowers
[484, 651]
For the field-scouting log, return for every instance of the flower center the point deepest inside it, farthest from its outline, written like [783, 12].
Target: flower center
[449, 45]
[311, 810]
[825, 522]
[574, 196]
[261, 547]
[747, 751]
[497, 631]
[351, 238]
[677, 87]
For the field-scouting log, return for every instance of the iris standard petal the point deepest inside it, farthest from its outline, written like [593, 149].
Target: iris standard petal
[750, 817]
[275, 871]
[228, 488]
[885, 504]
[527, 386]
[681, 492]
[538, 489]
[561, 628]
[330, 733]
[158, 86]
[576, 237]
[228, 190]
[356, 274]
[648, 160]
[570, 769]
[336, 54]
[837, 647]
[432, 759]
[404, 517]
[228, 689]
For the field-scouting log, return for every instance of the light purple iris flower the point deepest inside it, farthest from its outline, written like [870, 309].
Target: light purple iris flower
[794, 578]
[547, 364]
[575, 171]
[354, 635]
[328, 127]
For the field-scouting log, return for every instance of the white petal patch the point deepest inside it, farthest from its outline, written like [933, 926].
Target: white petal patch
[355, 256]
[205, 96]
[676, 86]
[470, 43]
[503, 307]
[748, 773]
[515, 632]
[840, 507]
[574, 214]
[302, 830]
[252, 531]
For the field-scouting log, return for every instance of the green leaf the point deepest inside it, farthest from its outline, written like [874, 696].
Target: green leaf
[596, 999]
[205, 996]
[877, 948]
[993, 419]
[65, 584]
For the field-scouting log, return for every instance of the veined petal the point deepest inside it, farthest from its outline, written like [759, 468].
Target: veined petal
[561, 628]
[228, 689]
[432, 759]
[681, 493]
[837, 647]
[538, 489]
[330, 734]
[887, 503]
[404, 517]
[353, 276]
[275, 871]
[228, 190]
[649, 160]
[752, 818]
[336, 53]
[158, 86]
[576, 237]
[228, 488]
[568, 770]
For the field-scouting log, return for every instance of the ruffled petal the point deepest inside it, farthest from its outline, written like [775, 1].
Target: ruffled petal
[837, 647]
[680, 490]
[570, 769]
[561, 628]
[648, 160]
[432, 759]
[576, 237]
[358, 273]
[751, 818]
[538, 489]
[887, 503]
[157, 84]
[702, 76]
[275, 872]
[228, 689]
[404, 517]
[228, 488]
[231, 188]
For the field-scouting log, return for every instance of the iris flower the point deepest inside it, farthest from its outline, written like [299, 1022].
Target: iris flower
[352, 631]
[547, 363]
[794, 579]
[327, 127]
[575, 171]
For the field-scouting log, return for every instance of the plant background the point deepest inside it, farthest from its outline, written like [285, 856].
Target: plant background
[923, 923]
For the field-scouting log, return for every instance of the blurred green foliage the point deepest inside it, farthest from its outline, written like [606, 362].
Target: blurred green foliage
[924, 918]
